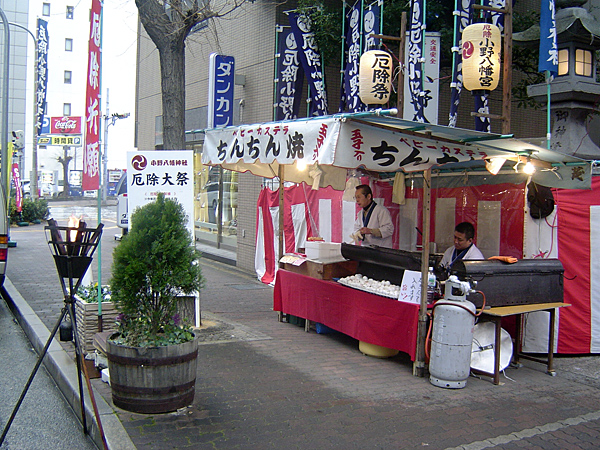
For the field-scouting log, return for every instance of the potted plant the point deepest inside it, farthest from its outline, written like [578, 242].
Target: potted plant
[86, 314]
[152, 358]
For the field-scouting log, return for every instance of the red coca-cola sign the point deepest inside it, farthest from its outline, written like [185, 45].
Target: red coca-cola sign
[65, 125]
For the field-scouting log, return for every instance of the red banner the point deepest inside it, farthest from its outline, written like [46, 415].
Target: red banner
[91, 152]
[65, 125]
[17, 182]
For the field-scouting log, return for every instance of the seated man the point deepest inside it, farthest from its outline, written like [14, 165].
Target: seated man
[463, 247]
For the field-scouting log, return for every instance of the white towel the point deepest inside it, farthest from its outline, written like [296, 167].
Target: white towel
[398, 193]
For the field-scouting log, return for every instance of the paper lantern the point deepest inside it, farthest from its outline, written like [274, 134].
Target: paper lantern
[375, 77]
[481, 67]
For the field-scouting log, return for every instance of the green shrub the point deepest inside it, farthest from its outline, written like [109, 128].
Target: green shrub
[31, 210]
[153, 264]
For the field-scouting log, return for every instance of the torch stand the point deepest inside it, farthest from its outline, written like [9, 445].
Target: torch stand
[72, 256]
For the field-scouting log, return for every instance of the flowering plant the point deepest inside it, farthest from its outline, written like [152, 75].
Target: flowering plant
[153, 265]
[89, 294]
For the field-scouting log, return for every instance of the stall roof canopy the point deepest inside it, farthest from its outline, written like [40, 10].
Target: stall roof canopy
[375, 142]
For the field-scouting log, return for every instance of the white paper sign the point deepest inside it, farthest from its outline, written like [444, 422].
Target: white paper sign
[166, 171]
[410, 289]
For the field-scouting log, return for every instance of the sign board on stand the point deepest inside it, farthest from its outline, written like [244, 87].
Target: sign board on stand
[169, 172]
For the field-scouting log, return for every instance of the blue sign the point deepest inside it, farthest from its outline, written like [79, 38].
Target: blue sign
[548, 49]
[221, 84]
[46, 125]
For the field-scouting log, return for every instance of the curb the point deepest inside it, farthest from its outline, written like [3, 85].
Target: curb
[64, 372]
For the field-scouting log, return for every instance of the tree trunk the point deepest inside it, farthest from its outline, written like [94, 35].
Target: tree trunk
[172, 70]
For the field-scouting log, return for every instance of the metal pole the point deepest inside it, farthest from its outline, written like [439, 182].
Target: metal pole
[104, 154]
[33, 183]
[4, 120]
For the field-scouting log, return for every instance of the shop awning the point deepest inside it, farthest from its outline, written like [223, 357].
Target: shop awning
[376, 142]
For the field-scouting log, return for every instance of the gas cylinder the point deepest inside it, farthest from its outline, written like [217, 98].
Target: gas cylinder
[452, 337]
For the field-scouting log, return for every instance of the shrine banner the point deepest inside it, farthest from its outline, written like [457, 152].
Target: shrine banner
[463, 18]
[310, 58]
[414, 64]
[42, 74]
[351, 80]
[548, 47]
[290, 76]
[91, 151]
[372, 25]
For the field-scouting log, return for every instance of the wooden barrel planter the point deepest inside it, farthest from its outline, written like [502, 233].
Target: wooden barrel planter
[153, 380]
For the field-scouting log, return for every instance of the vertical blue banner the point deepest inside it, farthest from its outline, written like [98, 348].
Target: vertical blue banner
[372, 25]
[311, 62]
[415, 66]
[221, 83]
[463, 18]
[290, 76]
[42, 74]
[548, 47]
[351, 80]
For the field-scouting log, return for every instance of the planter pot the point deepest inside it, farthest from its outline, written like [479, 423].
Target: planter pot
[153, 380]
[86, 320]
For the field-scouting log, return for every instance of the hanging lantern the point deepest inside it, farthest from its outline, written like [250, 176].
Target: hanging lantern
[481, 68]
[375, 77]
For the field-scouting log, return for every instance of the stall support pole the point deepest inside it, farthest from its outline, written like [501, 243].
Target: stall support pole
[280, 174]
[419, 364]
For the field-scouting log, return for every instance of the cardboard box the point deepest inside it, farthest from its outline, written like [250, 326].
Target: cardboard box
[323, 251]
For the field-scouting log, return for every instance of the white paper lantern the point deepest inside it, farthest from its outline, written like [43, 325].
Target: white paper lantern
[481, 44]
[375, 77]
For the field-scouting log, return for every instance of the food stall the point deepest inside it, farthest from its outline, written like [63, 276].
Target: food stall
[372, 143]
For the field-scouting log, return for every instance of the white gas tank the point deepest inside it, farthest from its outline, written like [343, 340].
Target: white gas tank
[452, 337]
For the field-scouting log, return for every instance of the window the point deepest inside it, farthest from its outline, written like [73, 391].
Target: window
[45, 9]
[66, 109]
[68, 77]
[68, 45]
[70, 12]
[563, 61]
[583, 62]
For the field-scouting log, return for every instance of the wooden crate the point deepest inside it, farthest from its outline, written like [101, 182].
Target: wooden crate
[323, 271]
[86, 316]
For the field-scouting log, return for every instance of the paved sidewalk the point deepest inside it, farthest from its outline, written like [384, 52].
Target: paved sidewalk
[263, 384]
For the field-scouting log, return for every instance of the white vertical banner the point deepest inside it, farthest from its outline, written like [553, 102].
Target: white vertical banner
[431, 85]
[325, 219]
[167, 171]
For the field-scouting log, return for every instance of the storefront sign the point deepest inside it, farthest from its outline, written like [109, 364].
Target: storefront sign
[330, 141]
[221, 82]
[65, 125]
[74, 141]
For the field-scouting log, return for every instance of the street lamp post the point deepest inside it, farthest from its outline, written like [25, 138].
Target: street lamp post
[33, 185]
[108, 121]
